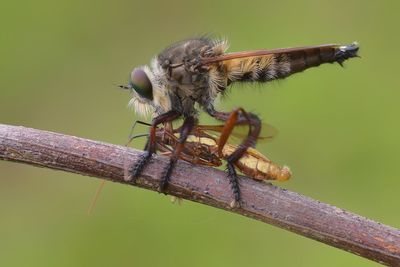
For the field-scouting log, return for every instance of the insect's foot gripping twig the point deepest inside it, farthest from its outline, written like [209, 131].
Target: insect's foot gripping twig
[139, 166]
[233, 180]
[166, 175]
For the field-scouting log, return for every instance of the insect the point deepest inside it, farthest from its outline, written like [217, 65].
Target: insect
[189, 75]
[202, 147]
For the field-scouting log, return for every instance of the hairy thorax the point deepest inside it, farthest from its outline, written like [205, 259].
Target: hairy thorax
[187, 80]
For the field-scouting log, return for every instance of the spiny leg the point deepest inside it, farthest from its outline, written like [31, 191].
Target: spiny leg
[150, 147]
[233, 180]
[186, 129]
[237, 117]
[230, 123]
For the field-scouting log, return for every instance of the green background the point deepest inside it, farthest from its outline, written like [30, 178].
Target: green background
[60, 62]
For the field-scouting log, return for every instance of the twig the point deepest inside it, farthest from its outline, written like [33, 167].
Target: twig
[261, 201]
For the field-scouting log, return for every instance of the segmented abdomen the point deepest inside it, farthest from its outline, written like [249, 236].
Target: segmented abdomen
[257, 166]
[252, 163]
[282, 64]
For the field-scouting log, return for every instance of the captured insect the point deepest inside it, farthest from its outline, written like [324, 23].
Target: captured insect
[189, 75]
[204, 147]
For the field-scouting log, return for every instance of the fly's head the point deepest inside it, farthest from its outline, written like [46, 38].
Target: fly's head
[150, 95]
[141, 86]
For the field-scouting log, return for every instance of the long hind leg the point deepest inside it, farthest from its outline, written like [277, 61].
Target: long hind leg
[237, 117]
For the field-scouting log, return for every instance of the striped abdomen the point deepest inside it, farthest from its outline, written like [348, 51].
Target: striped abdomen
[257, 166]
[263, 65]
[313, 57]
[202, 150]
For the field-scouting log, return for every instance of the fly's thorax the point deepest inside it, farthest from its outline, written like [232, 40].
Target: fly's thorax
[180, 62]
[188, 81]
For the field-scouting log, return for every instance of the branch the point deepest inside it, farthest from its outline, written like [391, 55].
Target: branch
[261, 201]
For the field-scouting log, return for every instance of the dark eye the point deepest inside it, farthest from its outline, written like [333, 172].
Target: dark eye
[141, 83]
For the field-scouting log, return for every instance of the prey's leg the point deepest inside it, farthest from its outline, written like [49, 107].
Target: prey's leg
[132, 136]
[186, 129]
[150, 147]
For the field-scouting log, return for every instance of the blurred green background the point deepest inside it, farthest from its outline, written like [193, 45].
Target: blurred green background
[60, 62]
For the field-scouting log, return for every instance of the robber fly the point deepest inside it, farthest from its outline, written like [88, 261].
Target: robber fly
[189, 75]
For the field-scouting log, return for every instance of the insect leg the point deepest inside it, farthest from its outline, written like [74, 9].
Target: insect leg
[132, 136]
[237, 117]
[186, 129]
[150, 147]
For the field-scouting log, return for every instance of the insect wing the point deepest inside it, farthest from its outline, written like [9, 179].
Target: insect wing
[261, 53]
[268, 132]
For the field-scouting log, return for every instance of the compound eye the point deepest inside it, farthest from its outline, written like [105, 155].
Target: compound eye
[141, 83]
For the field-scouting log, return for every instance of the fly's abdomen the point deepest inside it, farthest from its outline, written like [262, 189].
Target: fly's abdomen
[284, 62]
[314, 56]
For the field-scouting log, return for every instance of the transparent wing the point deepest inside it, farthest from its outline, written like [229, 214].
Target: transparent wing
[268, 132]
[264, 52]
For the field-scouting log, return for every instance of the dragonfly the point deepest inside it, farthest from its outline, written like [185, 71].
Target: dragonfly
[188, 76]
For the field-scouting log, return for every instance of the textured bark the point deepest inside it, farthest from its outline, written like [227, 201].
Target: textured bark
[261, 201]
